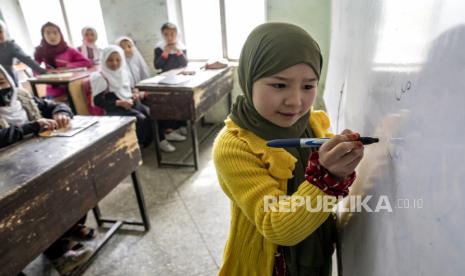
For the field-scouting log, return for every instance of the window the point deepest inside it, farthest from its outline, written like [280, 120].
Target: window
[68, 14]
[240, 21]
[202, 31]
[37, 13]
[93, 17]
[220, 29]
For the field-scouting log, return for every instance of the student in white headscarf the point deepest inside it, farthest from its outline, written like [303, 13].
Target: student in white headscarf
[140, 71]
[88, 48]
[9, 50]
[111, 90]
[136, 63]
[21, 114]
[169, 53]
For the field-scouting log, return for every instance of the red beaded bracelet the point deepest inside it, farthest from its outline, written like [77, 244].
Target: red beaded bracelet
[321, 177]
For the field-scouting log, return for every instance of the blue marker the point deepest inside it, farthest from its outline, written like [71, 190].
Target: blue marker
[311, 142]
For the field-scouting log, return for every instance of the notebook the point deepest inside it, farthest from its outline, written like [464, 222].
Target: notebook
[77, 125]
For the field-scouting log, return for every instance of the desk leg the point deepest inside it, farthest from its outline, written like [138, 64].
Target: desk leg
[70, 99]
[140, 201]
[34, 89]
[116, 224]
[97, 215]
[195, 143]
[230, 101]
[156, 132]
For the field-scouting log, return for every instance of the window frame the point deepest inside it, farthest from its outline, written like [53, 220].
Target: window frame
[224, 34]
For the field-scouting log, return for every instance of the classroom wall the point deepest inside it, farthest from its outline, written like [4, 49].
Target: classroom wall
[141, 20]
[13, 16]
[312, 15]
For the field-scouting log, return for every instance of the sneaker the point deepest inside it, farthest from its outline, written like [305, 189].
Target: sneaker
[71, 260]
[175, 137]
[182, 131]
[166, 146]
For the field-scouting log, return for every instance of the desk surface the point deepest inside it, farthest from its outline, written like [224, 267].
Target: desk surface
[48, 184]
[63, 80]
[200, 79]
[26, 160]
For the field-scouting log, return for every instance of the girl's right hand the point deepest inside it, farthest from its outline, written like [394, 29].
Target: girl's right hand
[47, 124]
[342, 153]
[127, 104]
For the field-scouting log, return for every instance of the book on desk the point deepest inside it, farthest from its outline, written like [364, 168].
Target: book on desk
[77, 125]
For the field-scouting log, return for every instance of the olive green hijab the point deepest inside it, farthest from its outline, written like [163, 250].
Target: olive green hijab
[269, 49]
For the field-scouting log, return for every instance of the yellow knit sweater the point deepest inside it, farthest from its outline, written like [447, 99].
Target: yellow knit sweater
[247, 171]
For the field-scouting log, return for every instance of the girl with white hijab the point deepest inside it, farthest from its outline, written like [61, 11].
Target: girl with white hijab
[169, 53]
[88, 48]
[22, 114]
[111, 90]
[136, 63]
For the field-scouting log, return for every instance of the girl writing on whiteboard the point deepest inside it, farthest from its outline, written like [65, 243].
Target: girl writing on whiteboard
[278, 71]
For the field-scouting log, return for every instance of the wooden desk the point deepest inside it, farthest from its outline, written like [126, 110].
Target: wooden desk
[73, 86]
[188, 101]
[48, 184]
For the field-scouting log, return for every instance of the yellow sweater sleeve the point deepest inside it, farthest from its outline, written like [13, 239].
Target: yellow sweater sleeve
[246, 180]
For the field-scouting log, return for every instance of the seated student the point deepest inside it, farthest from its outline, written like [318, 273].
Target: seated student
[139, 71]
[136, 63]
[111, 89]
[56, 54]
[88, 48]
[170, 53]
[9, 50]
[21, 115]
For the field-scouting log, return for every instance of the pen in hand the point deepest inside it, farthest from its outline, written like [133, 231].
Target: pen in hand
[311, 142]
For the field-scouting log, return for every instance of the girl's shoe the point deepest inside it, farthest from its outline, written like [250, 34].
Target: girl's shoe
[71, 260]
[182, 131]
[166, 146]
[175, 137]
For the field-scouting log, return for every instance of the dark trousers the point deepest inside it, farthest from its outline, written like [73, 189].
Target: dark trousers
[144, 128]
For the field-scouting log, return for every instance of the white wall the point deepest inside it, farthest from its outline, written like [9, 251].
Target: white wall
[312, 15]
[141, 20]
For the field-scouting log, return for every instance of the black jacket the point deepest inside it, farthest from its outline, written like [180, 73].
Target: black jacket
[173, 62]
[13, 134]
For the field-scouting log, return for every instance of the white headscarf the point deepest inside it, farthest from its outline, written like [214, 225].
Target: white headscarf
[15, 113]
[85, 45]
[136, 64]
[116, 81]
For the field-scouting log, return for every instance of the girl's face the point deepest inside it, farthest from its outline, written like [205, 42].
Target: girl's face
[89, 37]
[52, 35]
[113, 61]
[2, 35]
[127, 47]
[170, 36]
[285, 97]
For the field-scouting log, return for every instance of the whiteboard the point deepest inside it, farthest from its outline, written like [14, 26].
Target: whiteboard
[397, 71]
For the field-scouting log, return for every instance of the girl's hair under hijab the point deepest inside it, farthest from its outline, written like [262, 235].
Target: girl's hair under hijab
[169, 26]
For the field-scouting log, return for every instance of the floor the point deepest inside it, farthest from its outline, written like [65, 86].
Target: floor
[189, 216]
